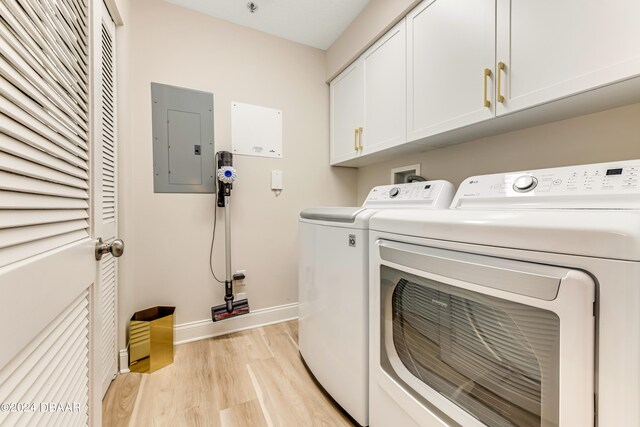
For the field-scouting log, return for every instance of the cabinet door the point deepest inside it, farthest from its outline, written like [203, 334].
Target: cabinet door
[450, 43]
[347, 112]
[385, 88]
[556, 48]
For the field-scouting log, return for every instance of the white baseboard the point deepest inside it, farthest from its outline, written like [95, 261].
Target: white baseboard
[202, 329]
[124, 361]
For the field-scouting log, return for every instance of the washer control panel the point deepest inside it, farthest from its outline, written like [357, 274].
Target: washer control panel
[416, 193]
[395, 191]
[580, 186]
[525, 183]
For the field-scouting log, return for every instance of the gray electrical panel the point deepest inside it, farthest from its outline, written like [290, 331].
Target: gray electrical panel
[183, 146]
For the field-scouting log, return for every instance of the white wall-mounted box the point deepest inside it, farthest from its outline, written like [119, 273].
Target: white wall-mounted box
[256, 131]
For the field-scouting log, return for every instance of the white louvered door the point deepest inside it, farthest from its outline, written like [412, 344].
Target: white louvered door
[104, 181]
[50, 346]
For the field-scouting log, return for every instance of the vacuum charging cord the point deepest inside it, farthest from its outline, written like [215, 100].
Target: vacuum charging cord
[213, 239]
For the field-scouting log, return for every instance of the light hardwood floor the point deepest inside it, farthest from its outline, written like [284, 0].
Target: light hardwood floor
[251, 378]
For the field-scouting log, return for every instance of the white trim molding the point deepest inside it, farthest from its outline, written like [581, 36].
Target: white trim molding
[124, 361]
[114, 11]
[202, 329]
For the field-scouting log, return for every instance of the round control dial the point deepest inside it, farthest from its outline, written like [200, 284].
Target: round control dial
[525, 183]
[394, 192]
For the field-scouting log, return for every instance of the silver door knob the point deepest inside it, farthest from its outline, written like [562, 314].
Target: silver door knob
[116, 248]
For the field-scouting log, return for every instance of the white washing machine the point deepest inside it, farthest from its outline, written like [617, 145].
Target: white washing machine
[519, 306]
[333, 288]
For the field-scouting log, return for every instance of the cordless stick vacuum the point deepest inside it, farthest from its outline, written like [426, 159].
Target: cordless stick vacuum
[226, 175]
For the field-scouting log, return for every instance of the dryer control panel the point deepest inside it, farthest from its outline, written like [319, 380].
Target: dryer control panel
[614, 185]
[437, 194]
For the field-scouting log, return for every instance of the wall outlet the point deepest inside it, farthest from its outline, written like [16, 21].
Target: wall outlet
[276, 180]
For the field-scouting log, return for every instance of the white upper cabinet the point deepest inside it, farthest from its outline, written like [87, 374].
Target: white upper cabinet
[368, 100]
[347, 112]
[385, 87]
[443, 74]
[552, 49]
[450, 65]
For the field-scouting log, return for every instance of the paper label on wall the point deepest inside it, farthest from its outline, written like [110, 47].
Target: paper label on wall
[256, 131]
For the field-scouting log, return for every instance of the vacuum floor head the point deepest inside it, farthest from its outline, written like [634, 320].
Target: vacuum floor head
[221, 312]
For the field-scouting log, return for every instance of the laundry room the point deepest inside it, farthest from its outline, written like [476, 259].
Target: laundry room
[346, 213]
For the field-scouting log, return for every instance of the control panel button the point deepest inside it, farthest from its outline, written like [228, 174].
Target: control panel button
[394, 192]
[525, 183]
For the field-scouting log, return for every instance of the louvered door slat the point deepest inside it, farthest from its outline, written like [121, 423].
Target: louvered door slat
[14, 372]
[16, 236]
[109, 129]
[61, 15]
[18, 253]
[26, 136]
[40, 368]
[108, 126]
[71, 388]
[26, 152]
[36, 46]
[108, 158]
[69, 344]
[49, 39]
[108, 302]
[108, 273]
[12, 110]
[60, 34]
[72, 20]
[32, 70]
[20, 57]
[13, 200]
[80, 19]
[26, 86]
[12, 182]
[19, 374]
[55, 19]
[28, 105]
[20, 166]
[74, 56]
[12, 219]
[59, 391]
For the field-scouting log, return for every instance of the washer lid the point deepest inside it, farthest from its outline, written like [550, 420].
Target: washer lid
[331, 214]
[611, 234]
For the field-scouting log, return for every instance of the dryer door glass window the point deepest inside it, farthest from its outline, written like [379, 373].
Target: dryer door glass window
[496, 359]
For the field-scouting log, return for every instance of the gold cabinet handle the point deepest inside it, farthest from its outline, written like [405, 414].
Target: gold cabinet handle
[355, 139]
[487, 74]
[501, 67]
[360, 146]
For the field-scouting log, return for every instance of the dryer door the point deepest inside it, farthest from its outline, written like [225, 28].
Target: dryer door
[488, 341]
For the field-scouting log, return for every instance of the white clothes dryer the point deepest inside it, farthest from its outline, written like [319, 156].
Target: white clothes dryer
[333, 287]
[519, 306]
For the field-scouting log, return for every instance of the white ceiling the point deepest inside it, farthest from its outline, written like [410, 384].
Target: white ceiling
[316, 23]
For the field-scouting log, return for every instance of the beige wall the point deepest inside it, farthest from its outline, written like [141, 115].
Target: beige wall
[600, 137]
[374, 20]
[168, 235]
